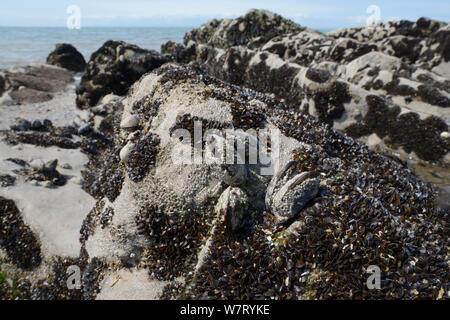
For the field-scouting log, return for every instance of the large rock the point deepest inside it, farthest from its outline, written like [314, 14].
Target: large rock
[67, 56]
[35, 83]
[423, 42]
[113, 69]
[178, 52]
[330, 76]
[2, 84]
[27, 95]
[340, 99]
[348, 207]
[253, 29]
[422, 28]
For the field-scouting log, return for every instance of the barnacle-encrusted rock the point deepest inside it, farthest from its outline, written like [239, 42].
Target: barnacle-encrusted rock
[67, 56]
[329, 76]
[370, 207]
[34, 84]
[21, 125]
[256, 27]
[233, 206]
[113, 69]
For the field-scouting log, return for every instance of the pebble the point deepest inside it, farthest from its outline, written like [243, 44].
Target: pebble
[125, 152]
[129, 122]
[66, 166]
[51, 165]
[36, 125]
[22, 125]
[37, 164]
[48, 184]
[233, 204]
[36, 183]
[445, 135]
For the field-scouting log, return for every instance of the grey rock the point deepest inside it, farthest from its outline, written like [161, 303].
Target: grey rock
[66, 166]
[26, 95]
[443, 199]
[34, 84]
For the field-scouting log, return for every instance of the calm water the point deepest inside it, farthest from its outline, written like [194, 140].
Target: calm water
[21, 46]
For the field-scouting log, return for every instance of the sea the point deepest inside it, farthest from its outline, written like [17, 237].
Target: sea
[21, 46]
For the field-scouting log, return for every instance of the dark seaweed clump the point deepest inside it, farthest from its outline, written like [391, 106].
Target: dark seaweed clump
[59, 137]
[143, 157]
[173, 241]
[7, 180]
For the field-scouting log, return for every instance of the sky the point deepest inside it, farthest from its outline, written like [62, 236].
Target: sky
[318, 14]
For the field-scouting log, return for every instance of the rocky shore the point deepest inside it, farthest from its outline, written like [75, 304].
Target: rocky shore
[88, 177]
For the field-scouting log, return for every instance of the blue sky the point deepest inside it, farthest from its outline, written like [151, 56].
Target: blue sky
[319, 14]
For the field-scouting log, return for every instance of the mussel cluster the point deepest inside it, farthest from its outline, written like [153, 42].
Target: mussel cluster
[16, 238]
[143, 157]
[174, 241]
[370, 211]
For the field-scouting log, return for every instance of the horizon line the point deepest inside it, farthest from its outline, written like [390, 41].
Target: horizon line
[162, 26]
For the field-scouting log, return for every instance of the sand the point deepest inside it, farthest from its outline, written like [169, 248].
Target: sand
[56, 214]
[130, 285]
